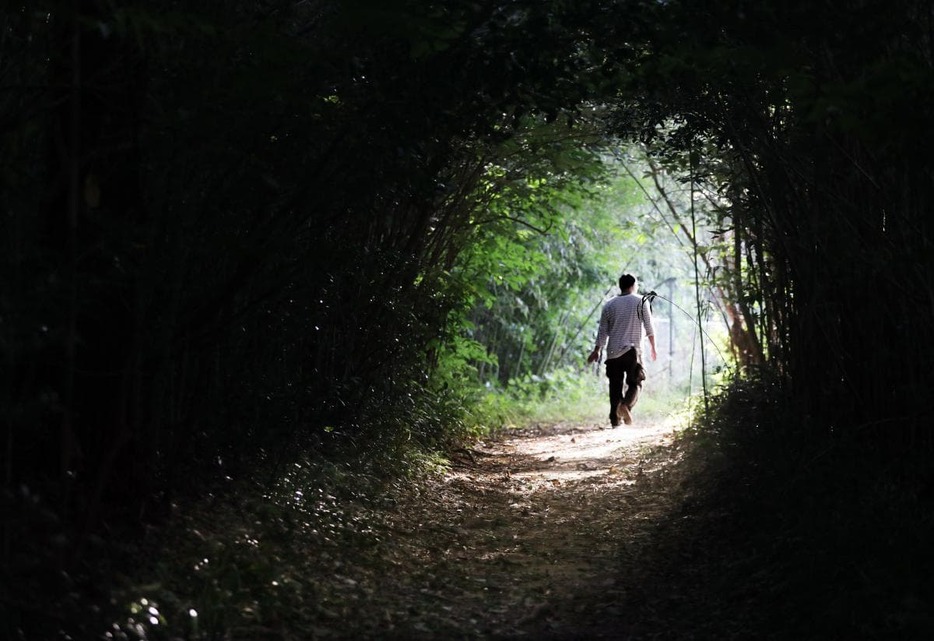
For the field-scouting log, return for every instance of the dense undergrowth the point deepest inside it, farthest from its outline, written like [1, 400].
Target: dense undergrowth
[790, 536]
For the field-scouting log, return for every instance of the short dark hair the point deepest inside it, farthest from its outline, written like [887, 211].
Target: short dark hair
[626, 281]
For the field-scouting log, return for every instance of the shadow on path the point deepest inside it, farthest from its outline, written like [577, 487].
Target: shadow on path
[539, 535]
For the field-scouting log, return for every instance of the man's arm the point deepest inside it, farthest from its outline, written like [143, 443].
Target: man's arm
[649, 329]
[602, 333]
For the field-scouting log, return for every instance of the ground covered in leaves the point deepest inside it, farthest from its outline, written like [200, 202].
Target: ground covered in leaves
[554, 532]
[542, 533]
[525, 537]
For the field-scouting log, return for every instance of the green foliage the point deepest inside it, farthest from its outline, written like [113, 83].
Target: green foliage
[820, 161]
[564, 395]
[536, 295]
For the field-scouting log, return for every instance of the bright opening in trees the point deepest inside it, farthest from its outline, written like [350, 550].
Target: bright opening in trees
[540, 283]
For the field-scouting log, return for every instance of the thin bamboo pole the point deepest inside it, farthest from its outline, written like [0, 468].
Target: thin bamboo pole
[697, 295]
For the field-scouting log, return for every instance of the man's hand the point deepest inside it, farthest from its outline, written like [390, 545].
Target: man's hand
[594, 355]
[654, 353]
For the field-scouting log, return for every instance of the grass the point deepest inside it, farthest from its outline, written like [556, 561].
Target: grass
[571, 395]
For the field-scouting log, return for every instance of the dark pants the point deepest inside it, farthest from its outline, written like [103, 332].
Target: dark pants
[626, 368]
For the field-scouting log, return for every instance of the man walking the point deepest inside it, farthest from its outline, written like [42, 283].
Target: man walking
[621, 323]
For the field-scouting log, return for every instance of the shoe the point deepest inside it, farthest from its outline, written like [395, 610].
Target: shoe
[614, 422]
[623, 411]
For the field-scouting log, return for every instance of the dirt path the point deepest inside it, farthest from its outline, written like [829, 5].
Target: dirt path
[526, 537]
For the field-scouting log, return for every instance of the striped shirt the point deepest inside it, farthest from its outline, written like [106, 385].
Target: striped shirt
[620, 323]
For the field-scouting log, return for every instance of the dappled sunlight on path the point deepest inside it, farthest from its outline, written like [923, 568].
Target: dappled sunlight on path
[572, 453]
[523, 537]
[540, 533]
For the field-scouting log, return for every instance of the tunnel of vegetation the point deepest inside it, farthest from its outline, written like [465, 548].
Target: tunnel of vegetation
[233, 230]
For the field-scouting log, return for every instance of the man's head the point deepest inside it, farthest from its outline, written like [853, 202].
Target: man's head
[627, 283]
